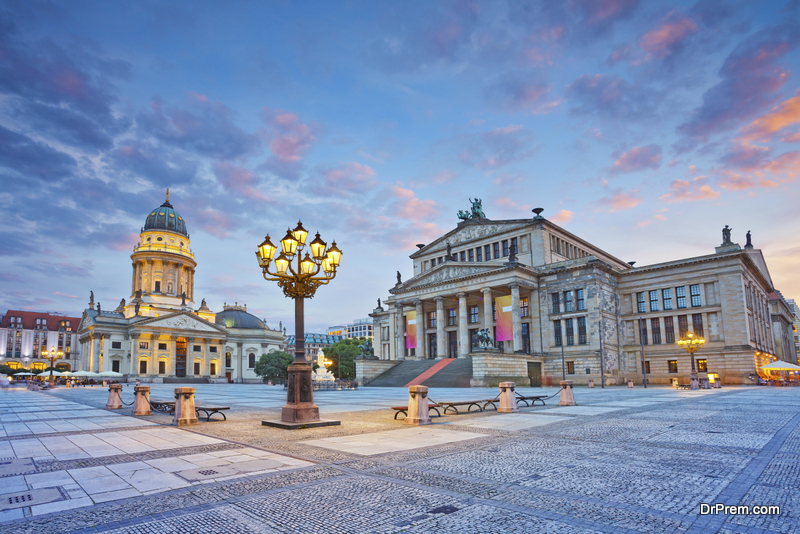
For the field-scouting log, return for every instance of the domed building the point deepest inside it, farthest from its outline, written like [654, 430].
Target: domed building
[157, 335]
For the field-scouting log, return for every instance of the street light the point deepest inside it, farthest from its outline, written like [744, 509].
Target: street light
[299, 282]
[692, 344]
[52, 355]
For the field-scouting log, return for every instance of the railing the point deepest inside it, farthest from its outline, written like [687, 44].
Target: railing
[164, 248]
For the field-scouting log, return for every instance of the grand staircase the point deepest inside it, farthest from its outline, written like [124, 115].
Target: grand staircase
[446, 373]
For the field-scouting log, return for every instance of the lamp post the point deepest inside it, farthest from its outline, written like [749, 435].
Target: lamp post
[299, 282]
[692, 344]
[52, 355]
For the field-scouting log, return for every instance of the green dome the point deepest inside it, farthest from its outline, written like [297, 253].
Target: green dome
[165, 218]
[238, 319]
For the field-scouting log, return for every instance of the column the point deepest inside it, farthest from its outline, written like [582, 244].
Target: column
[189, 356]
[173, 356]
[516, 320]
[133, 367]
[420, 330]
[153, 367]
[95, 364]
[391, 341]
[463, 332]
[488, 321]
[400, 332]
[441, 351]
[105, 359]
[190, 290]
[207, 356]
[134, 268]
[239, 365]
[149, 278]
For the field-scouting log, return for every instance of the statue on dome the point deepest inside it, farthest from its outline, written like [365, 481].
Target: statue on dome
[183, 298]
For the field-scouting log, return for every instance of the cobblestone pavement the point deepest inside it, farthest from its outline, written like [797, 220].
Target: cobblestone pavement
[623, 460]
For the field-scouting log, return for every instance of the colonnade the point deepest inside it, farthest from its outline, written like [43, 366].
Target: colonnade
[145, 269]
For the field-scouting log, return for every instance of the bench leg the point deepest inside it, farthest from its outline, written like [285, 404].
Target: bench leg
[398, 412]
[437, 411]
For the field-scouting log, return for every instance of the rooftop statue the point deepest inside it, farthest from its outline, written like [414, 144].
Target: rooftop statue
[726, 235]
[475, 213]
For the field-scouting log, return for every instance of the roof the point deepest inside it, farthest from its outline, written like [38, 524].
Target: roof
[29, 319]
[166, 218]
[238, 319]
[319, 339]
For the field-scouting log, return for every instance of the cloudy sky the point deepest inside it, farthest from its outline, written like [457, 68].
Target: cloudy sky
[643, 127]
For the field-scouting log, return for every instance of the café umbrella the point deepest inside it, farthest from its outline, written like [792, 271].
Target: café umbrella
[780, 366]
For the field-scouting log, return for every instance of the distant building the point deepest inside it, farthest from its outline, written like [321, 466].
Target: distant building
[24, 335]
[356, 329]
[338, 330]
[782, 327]
[796, 324]
[313, 343]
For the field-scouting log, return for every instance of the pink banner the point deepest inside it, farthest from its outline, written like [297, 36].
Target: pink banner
[411, 330]
[504, 318]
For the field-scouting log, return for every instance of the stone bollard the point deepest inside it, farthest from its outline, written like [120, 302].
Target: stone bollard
[185, 414]
[567, 397]
[141, 402]
[591, 383]
[630, 383]
[508, 399]
[114, 397]
[418, 406]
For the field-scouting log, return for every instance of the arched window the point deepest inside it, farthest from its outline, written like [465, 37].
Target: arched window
[227, 359]
[251, 360]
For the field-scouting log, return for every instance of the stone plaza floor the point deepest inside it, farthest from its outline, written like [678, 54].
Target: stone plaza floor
[622, 460]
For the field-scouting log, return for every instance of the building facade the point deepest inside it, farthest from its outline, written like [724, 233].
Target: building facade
[25, 335]
[356, 329]
[158, 335]
[313, 343]
[567, 296]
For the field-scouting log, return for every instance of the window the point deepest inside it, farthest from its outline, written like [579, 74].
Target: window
[702, 366]
[487, 251]
[695, 292]
[556, 305]
[666, 294]
[683, 326]
[669, 330]
[514, 245]
[251, 360]
[463, 256]
[640, 302]
[432, 319]
[473, 314]
[568, 301]
[479, 253]
[162, 346]
[441, 259]
[654, 301]
[196, 368]
[581, 301]
[680, 292]
[673, 366]
[142, 367]
[494, 311]
[647, 367]
[643, 331]
[116, 344]
[523, 307]
[162, 367]
[557, 332]
[115, 366]
[144, 345]
[655, 327]
[570, 332]
[451, 317]
[570, 368]
[228, 359]
[197, 348]
[496, 247]
[697, 324]
[505, 247]
[213, 368]
[212, 349]
[158, 286]
[582, 330]
[471, 255]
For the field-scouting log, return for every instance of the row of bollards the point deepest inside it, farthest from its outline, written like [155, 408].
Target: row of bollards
[418, 409]
[185, 413]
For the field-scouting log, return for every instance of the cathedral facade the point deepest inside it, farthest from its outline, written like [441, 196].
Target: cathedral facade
[157, 334]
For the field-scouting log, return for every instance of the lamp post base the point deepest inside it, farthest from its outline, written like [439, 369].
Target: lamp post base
[294, 426]
[299, 410]
[693, 382]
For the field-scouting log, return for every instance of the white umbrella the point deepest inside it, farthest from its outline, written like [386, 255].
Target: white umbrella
[781, 366]
[83, 373]
[24, 374]
[112, 374]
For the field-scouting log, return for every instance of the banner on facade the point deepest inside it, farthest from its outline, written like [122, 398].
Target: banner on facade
[411, 330]
[504, 318]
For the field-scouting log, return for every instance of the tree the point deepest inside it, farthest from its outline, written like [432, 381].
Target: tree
[345, 351]
[274, 365]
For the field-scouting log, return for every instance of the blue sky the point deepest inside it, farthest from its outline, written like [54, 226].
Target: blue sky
[643, 127]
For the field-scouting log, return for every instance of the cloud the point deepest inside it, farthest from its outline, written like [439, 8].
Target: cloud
[28, 158]
[148, 162]
[620, 200]
[520, 91]
[240, 180]
[610, 97]
[488, 151]
[408, 206]
[668, 36]
[202, 126]
[750, 76]
[444, 177]
[507, 204]
[784, 115]
[637, 159]
[562, 217]
[737, 182]
[344, 179]
[689, 191]
[603, 13]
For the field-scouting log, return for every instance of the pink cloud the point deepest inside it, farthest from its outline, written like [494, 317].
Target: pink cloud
[620, 200]
[689, 191]
[667, 36]
[291, 139]
[783, 116]
[215, 222]
[60, 294]
[348, 178]
[241, 180]
[408, 206]
[562, 217]
[126, 243]
[637, 159]
[444, 177]
[505, 203]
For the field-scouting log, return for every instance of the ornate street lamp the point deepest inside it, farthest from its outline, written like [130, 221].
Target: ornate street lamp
[692, 344]
[52, 355]
[299, 282]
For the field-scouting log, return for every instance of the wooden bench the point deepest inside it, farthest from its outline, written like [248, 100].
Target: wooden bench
[162, 405]
[684, 386]
[480, 404]
[531, 398]
[211, 410]
[404, 410]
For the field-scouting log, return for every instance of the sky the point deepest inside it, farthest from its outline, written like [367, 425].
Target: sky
[642, 127]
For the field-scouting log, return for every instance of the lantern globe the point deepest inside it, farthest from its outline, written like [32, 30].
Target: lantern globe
[289, 244]
[307, 265]
[281, 264]
[335, 255]
[318, 248]
[300, 234]
[266, 249]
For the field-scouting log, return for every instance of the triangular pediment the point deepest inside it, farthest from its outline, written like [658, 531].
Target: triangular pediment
[86, 322]
[471, 231]
[446, 272]
[181, 321]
